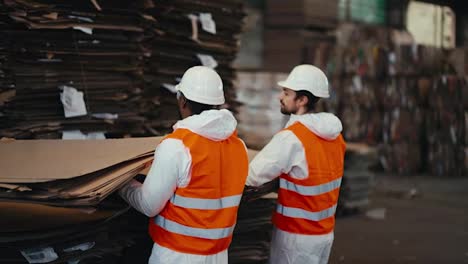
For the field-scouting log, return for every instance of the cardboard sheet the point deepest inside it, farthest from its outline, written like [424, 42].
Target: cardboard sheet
[57, 159]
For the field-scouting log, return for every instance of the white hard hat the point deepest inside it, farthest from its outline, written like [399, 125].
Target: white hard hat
[202, 85]
[309, 78]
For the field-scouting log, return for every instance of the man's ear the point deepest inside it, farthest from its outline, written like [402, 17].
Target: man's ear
[303, 100]
[182, 102]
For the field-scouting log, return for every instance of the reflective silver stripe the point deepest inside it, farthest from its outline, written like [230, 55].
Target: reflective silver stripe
[206, 204]
[208, 233]
[310, 190]
[300, 213]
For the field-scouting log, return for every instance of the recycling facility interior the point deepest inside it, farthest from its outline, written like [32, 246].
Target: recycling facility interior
[76, 72]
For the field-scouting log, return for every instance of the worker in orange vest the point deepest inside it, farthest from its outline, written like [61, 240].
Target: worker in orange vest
[193, 189]
[308, 157]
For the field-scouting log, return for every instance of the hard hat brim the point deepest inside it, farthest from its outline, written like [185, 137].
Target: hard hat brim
[285, 84]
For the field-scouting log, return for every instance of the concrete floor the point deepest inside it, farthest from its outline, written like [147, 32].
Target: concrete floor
[426, 221]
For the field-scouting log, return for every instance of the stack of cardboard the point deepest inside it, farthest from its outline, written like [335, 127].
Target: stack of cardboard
[73, 68]
[189, 33]
[76, 179]
[107, 67]
[58, 208]
[252, 235]
[357, 178]
[68, 173]
[296, 32]
[319, 50]
[283, 49]
[251, 239]
[298, 13]
[106, 241]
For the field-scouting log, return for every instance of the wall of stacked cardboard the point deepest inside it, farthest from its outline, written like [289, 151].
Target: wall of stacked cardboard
[99, 69]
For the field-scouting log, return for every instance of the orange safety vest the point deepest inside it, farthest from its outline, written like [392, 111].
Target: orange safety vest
[308, 206]
[200, 218]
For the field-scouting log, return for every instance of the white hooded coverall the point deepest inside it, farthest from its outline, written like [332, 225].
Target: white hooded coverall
[285, 154]
[171, 169]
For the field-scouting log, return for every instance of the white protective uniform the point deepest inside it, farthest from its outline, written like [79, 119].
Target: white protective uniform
[171, 169]
[285, 154]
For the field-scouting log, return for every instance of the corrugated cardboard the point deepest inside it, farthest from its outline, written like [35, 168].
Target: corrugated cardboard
[49, 160]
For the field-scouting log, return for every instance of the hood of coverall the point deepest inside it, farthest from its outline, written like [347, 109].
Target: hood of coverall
[216, 125]
[325, 125]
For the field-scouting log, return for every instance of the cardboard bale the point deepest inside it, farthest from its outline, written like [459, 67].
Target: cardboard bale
[118, 56]
[446, 127]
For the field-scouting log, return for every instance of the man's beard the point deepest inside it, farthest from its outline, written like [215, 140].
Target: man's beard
[284, 111]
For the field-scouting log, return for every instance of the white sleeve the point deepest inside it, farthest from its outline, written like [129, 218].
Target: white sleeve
[170, 169]
[283, 154]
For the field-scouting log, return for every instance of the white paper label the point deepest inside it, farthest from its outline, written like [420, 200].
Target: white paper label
[83, 247]
[208, 23]
[444, 79]
[96, 135]
[105, 116]
[86, 19]
[73, 102]
[78, 135]
[86, 30]
[392, 57]
[43, 255]
[453, 134]
[207, 60]
[73, 135]
[357, 83]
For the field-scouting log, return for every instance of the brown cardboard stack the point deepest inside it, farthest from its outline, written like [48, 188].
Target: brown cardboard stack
[296, 32]
[105, 242]
[89, 57]
[182, 39]
[319, 50]
[116, 63]
[357, 178]
[251, 239]
[56, 203]
[298, 13]
[68, 173]
[252, 235]
[59, 208]
[283, 49]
